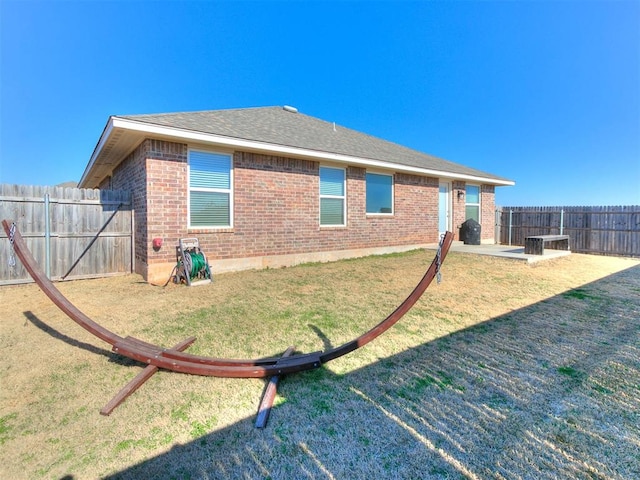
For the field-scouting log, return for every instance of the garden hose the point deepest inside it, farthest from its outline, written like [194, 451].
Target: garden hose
[194, 263]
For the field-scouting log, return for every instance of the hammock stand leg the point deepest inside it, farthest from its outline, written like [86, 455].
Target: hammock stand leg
[139, 379]
[269, 396]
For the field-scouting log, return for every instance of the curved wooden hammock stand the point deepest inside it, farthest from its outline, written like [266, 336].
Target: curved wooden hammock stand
[175, 359]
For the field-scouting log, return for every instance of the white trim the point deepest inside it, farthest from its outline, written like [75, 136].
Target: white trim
[448, 205]
[343, 198]
[242, 144]
[479, 204]
[219, 190]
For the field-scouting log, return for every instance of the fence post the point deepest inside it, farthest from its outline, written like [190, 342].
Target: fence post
[47, 236]
[561, 221]
[510, 223]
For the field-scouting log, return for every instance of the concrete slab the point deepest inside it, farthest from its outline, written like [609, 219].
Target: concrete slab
[512, 252]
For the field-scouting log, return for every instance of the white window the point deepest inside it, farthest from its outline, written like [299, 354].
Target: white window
[472, 200]
[379, 193]
[332, 196]
[210, 189]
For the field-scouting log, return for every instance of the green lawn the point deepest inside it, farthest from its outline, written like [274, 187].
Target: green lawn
[502, 371]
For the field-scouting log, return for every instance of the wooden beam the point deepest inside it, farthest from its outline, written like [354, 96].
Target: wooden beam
[139, 379]
[269, 396]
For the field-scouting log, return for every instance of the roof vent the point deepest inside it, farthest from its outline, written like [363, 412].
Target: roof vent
[288, 108]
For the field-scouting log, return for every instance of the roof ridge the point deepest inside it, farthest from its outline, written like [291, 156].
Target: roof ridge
[198, 111]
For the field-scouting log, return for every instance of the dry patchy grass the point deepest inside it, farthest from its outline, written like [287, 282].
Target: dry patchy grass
[502, 371]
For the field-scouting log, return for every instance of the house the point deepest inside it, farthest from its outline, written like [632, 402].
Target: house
[267, 187]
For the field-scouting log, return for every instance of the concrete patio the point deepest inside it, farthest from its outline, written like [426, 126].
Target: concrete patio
[513, 252]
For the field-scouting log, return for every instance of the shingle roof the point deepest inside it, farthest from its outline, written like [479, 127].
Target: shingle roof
[279, 126]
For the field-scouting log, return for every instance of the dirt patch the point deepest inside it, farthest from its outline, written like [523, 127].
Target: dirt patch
[502, 371]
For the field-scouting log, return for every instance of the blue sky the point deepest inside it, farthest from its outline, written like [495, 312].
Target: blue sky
[544, 93]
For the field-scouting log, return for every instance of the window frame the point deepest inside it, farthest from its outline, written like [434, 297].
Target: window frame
[229, 191]
[469, 204]
[342, 197]
[366, 193]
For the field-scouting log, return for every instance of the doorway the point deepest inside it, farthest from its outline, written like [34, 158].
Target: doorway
[444, 208]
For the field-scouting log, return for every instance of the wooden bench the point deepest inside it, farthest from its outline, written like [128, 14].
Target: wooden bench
[535, 244]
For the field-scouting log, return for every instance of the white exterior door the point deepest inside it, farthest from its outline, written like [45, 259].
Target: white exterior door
[444, 220]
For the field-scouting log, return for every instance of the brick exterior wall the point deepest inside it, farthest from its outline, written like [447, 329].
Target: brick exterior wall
[275, 209]
[458, 207]
[488, 212]
[131, 175]
[166, 166]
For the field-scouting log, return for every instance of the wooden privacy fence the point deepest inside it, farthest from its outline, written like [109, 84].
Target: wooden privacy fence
[73, 233]
[613, 230]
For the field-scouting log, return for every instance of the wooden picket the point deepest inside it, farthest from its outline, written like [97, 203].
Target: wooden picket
[603, 230]
[75, 217]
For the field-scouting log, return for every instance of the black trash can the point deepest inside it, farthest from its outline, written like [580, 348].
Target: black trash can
[470, 232]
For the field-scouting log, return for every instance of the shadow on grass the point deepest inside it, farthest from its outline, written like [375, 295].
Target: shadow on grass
[548, 391]
[118, 359]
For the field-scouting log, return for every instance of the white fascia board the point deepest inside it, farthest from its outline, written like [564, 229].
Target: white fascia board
[106, 133]
[242, 144]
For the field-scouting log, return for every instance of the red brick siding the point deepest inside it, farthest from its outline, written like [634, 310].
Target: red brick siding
[131, 175]
[458, 207]
[272, 213]
[275, 207]
[105, 184]
[488, 207]
[276, 211]
[166, 165]
[416, 209]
